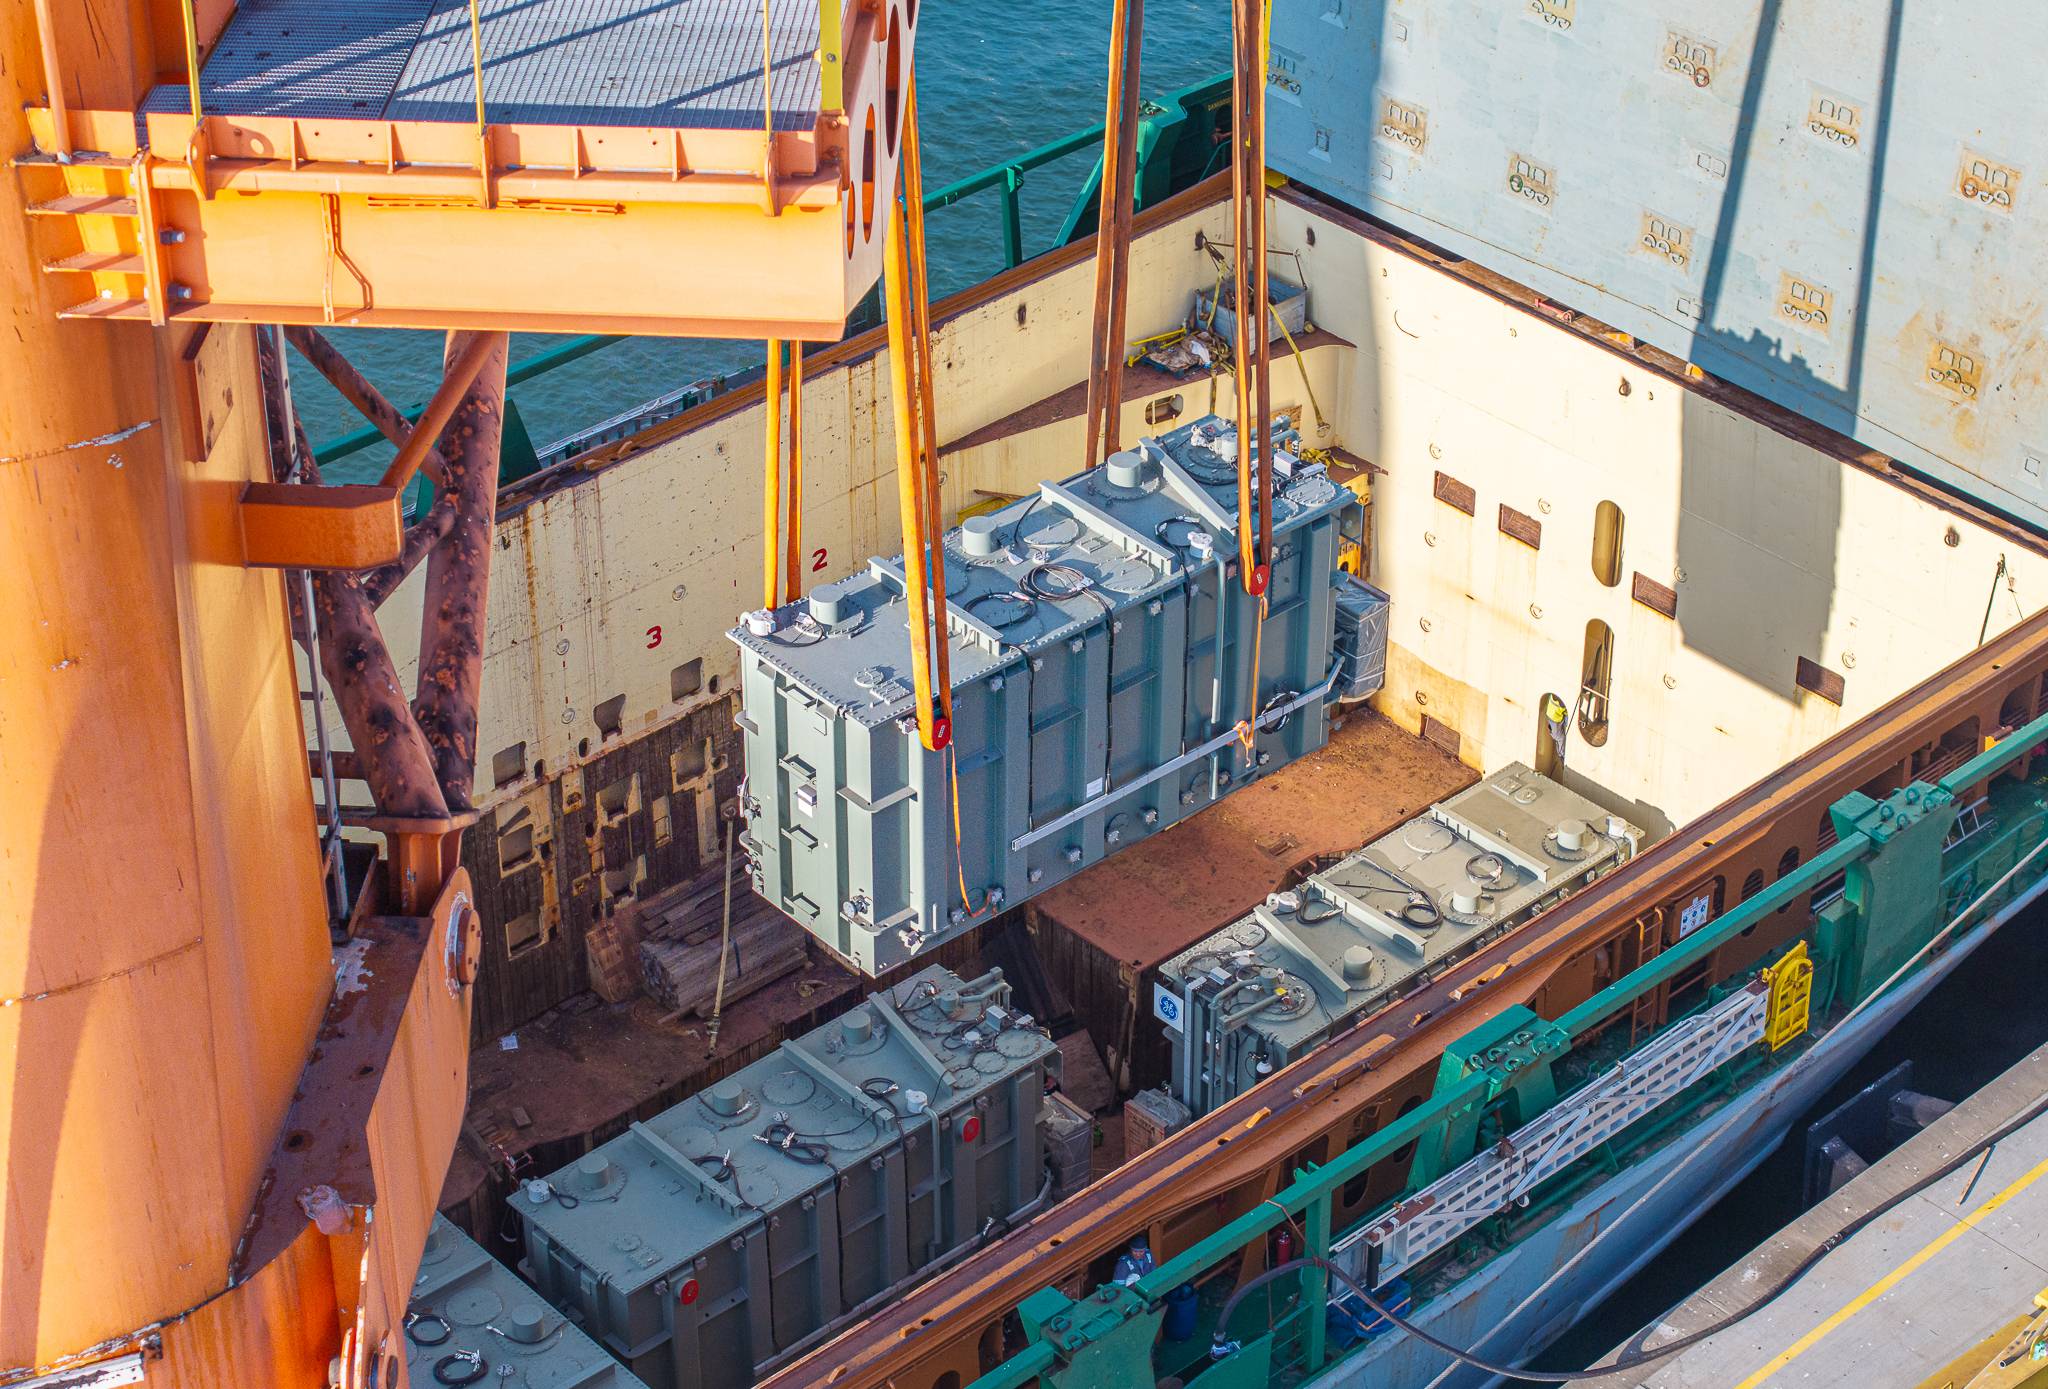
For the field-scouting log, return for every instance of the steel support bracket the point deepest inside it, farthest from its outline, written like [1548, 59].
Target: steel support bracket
[1105, 1339]
[1512, 1051]
[297, 526]
[1895, 915]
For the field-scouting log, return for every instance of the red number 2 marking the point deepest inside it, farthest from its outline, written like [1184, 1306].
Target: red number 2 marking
[653, 637]
[817, 560]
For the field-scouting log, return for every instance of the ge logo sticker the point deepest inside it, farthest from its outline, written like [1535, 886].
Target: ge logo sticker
[1166, 1006]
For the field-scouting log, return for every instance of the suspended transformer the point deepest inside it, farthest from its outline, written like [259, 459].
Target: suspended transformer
[1104, 654]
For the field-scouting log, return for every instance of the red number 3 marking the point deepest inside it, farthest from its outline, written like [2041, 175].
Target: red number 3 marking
[653, 637]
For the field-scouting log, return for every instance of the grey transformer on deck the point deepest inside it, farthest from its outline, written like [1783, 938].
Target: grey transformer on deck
[471, 1321]
[1102, 650]
[735, 1229]
[1310, 963]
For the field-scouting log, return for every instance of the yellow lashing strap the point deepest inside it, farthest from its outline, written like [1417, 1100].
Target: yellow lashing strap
[927, 414]
[909, 494]
[1301, 365]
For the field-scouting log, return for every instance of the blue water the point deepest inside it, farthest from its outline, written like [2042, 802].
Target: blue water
[995, 79]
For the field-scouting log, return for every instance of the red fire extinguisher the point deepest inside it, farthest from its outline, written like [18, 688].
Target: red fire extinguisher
[1283, 1245]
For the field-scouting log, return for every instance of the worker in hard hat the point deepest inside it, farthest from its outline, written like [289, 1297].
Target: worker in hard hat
[1556, 722]
[1135, 1262]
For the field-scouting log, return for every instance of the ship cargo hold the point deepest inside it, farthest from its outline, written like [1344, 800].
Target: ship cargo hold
[1343, 971]
[1688, 504]
[1675, 572]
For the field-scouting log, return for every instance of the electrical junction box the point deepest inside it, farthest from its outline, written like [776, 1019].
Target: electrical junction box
[1150, 1118]
[1103, 652]
[1279, 983]
[471, 1319]
[1361, 642]
[739, 1227]
[1069, 1145]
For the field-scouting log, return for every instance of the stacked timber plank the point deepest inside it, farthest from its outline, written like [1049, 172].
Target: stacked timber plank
[680, 941]
[612, 946]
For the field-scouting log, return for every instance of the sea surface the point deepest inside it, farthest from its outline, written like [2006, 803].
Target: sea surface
[995, 80]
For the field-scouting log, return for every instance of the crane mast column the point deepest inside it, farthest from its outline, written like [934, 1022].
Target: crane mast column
[188, 1196]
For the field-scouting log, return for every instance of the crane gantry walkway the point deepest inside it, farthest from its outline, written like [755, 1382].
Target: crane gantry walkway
[594, 159]
[663, 63]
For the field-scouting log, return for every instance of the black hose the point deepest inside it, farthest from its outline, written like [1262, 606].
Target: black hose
[1336, 909]
[413, 1321]
[474, 1368]
[793, 1145]
[1280, 698]
[1017, 538]
[1669, 1348]
[1193, 523]
[1421, 912]
[1077, 583]
[1004, 595]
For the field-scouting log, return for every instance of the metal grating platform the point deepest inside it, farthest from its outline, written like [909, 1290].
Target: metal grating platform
[687, 64]
[290, 58]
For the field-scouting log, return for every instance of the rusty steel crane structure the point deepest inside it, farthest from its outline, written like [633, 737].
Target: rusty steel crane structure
[233, 1073]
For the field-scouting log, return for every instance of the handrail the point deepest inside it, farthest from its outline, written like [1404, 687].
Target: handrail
[1023, 163]
[537, 365]
[1008, 176]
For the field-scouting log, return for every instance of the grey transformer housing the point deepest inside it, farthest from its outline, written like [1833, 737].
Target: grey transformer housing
[1312, 963]
[730, 1232]
[468, 1308]
[1102, 650]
